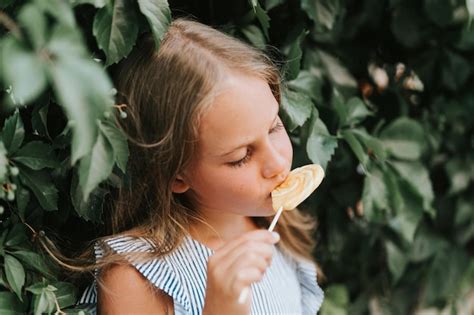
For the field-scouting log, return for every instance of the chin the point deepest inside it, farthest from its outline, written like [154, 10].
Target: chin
[264, 212]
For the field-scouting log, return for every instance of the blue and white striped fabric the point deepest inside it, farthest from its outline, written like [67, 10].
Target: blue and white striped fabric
[288, 287]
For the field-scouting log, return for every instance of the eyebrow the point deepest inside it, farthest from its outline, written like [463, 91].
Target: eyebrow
[246, 144]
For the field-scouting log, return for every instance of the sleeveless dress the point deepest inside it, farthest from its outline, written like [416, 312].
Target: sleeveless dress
[288, 286]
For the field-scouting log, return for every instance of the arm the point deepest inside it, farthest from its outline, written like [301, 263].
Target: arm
[125, 291]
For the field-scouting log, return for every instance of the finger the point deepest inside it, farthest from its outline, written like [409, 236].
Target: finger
[247, 252]
[249, 261]
[244, 278]
[258, 235]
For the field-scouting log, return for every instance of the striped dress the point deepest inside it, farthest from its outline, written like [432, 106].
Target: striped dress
[288, 287]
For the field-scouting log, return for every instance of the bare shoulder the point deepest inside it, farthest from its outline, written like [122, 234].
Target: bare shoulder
[125, 291]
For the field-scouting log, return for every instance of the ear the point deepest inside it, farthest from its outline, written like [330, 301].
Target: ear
[179, 185]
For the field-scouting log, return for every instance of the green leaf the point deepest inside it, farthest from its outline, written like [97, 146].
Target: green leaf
[65, 294]
[3, 162]
[84, 100]
[296, 108]
[444, 13]
[66, 43]
[39, 120]
[466, 38]
[158, 15]
[254, 35]
[351, 112]
[15, 274]
[262, 18]
[33, 261]
[96, 3]
[294, 57]
[34, 22]
[39, 287]
[270, 4]
[356, 147]
[13, 133]
[309, 83]
[22, 198]
[455, 70]
[336, 71]
[445, 274]
[118, 140]
[322, 12]
[458, 177]
[36, 155]
[404, 138]
[336, 300]
[356, 111]
[375, 196]
[320, 145]
[16, 235]
[464, 212]
[44, 302]
[91, 209]
[372, 145]
[426, 244]
[40, 183]
[396, 260]
[97, 166]
[10, 305]
[409, 208]
[115, 29]
[23, 71]
[59, 9]
[417, 176]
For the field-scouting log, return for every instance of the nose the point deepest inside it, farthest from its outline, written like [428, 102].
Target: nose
[275, 165]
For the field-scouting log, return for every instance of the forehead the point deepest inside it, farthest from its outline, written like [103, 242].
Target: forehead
[242, 111]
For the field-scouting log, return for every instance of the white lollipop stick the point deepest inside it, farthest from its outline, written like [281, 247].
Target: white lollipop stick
[245, 291]
[243, 295]
[275, 219]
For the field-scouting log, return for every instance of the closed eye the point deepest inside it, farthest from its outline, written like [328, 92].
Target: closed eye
[279, 126]
[242, 161]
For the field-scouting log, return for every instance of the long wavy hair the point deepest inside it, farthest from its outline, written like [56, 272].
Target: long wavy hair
[166, 91]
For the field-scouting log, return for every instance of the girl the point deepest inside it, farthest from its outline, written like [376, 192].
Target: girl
[207, 149]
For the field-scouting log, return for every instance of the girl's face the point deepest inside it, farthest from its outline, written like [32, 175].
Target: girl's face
[244, 151]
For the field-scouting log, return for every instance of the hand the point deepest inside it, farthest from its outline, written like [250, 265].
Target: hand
[235, 266]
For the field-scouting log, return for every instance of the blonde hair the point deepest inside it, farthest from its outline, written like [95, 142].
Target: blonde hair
[166, 91]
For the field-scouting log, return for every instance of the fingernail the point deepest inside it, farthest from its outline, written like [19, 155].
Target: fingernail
[276, 236]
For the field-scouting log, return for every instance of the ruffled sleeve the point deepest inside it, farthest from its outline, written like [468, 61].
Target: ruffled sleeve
[158, 271]
[311, 294]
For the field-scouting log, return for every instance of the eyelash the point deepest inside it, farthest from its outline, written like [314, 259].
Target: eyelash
[279, 126]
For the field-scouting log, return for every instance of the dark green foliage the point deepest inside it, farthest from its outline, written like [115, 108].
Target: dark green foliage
[377, 92]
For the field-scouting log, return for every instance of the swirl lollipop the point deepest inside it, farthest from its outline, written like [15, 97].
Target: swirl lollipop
[299, 184]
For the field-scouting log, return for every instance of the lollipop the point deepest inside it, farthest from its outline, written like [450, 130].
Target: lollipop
[299, 184]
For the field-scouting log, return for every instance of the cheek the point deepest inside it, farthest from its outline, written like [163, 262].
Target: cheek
[225, 180]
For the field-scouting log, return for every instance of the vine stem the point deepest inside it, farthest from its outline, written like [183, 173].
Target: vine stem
[9, 24]
[58, 311]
